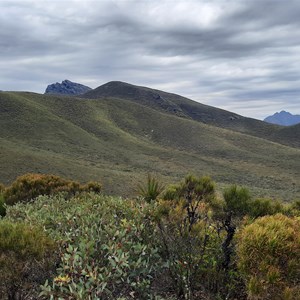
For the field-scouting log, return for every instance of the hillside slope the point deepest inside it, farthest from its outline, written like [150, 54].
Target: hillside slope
[186, 108]
[119, 141]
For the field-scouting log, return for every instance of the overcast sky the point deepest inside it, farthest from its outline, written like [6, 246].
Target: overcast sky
[243, 56]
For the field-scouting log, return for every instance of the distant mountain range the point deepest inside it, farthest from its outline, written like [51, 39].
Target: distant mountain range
[67, 87]
[283, 118]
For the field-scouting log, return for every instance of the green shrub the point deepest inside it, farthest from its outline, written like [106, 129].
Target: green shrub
[294, 208]
[238, 200]
[190, 242]
[151, 189]
[26, 259]
[269, 257]
[261, 207]
[106, 244]
[29, 186]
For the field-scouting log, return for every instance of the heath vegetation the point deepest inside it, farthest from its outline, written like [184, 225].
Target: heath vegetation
[60, 239]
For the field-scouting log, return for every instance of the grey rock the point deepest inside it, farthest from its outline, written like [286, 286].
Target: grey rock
[67, 87]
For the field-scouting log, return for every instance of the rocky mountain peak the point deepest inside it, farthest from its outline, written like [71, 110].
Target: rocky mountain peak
[283, 118]
[67, 87]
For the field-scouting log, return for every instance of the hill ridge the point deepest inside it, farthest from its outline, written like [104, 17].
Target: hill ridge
[186, 108]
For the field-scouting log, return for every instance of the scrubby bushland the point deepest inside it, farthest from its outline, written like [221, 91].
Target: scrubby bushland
[26, 260]
[180, 246]
[269, 258]
[29, 186]
[107, 245]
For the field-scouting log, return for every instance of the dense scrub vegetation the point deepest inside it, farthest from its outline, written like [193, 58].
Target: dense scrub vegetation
[29, 186]
[186, 242]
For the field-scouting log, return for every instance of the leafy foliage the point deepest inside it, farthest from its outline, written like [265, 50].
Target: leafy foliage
[262, 207]
[182, 246]
[240, 203]
[29, 186]
[269, 257]
[105, 247]
[26, 259]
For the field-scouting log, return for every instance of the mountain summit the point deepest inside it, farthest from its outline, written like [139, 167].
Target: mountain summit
[67, 87]
[283, 118]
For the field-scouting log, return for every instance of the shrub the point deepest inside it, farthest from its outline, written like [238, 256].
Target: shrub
[151, 189]
[261, 207]
[269, 257]
[107, 245]
[190, 242]
[294, 208]
[25, 259]
[238, 200]
[29, 186]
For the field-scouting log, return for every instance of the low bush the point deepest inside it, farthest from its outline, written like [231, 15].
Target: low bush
[269, 257]
[182, 245]
[107, 248]
[29, 186]
[26, 260]
[261, 207]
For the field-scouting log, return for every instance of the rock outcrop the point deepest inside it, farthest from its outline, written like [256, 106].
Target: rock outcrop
[67, 87]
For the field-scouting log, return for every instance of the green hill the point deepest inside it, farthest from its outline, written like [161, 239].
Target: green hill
[186, 108]
[119, 140]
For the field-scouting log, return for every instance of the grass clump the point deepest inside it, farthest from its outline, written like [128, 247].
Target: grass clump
[151, 189]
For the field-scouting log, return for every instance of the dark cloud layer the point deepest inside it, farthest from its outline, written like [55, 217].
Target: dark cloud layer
[243, 56]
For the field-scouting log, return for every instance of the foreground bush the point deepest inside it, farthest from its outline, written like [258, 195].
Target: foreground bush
[183, 245]
[193, 244]
[30, 186]
[26, 260]
[107, 245]
[269, 258]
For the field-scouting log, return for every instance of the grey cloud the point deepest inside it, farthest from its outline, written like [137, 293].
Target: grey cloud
[243, 55]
